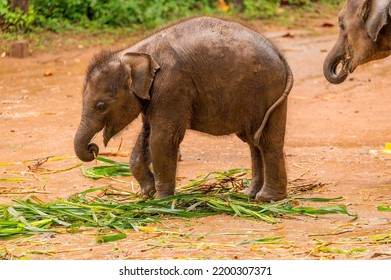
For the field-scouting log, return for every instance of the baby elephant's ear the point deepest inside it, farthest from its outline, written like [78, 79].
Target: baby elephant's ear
[378, 16]
[143, 68]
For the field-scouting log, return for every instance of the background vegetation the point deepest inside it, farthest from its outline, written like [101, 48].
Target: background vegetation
[62, 15]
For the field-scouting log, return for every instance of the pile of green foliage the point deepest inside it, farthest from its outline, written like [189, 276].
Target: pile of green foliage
[107, 207]
[57, 15]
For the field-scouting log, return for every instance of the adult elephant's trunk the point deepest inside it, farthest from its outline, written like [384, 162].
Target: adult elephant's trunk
[85, 150]
[337, 56]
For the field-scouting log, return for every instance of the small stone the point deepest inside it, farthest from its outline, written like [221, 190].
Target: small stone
[48, 74]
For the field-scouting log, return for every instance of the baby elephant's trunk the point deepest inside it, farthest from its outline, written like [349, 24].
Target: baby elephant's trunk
[85, 150]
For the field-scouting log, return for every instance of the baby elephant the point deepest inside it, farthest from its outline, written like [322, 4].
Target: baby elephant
[205, 74]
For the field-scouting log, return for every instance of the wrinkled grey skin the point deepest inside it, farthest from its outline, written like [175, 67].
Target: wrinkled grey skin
[365, 35]
[204, 74]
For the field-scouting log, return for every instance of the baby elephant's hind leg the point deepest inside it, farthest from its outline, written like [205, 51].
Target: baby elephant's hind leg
[140, 161]
[272, 144]
[257, 172]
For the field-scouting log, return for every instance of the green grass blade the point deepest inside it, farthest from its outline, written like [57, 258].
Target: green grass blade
[384, 208]
[106, 160]
[6, 232]
[338, 209]
[268, 240]
[111, 238]
[319, 199]
[13, 180]
[98, 172]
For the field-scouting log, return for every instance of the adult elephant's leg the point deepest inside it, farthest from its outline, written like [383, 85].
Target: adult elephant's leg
[272, 144]
[140, 161]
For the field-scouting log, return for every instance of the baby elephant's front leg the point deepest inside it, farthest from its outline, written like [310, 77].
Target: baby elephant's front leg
[164, 152]
[140, 161]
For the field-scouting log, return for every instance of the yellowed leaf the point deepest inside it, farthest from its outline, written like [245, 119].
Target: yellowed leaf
[147, 229]
[387, 148]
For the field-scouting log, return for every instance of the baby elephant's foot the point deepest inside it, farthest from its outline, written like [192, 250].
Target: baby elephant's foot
[269, 193]
[163, 194]
[252, 191]
[148, 191]
[164, 190]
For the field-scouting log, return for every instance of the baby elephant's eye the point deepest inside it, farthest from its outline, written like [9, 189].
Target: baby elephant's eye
[101, 106]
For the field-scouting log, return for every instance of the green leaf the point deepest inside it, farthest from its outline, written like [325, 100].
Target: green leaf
[13, 180]
[268, 240]
[384, 208]
[340, 251]
[98, 172]
[111, 238]
[319, 199]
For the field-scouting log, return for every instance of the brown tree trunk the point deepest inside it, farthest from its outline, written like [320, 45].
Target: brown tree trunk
[21, 4]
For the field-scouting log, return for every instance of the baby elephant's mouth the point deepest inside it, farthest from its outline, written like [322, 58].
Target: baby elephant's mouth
[107, 134]
[111, 129]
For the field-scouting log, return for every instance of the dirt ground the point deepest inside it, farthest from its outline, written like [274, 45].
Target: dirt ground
[334, 136]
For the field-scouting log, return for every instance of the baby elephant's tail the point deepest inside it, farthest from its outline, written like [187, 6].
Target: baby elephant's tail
[288, 87]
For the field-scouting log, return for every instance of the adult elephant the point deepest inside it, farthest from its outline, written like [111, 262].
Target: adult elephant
[365, 35]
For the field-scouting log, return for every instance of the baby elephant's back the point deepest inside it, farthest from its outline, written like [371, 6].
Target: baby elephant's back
[210, 47]
[217, 38]
[216, 49]
[236, 72]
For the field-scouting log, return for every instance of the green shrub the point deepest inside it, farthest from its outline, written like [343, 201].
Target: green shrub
[257, 8]
[298, 2]
[116, 13]
[16, 21]
[58, 15]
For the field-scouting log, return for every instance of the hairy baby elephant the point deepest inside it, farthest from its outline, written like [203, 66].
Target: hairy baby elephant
[365, 35]
[205, 74]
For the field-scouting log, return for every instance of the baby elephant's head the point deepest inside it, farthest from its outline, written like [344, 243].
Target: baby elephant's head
[116, 87]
